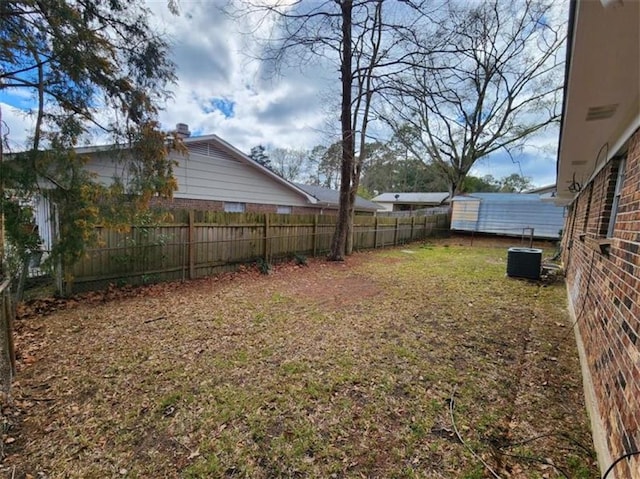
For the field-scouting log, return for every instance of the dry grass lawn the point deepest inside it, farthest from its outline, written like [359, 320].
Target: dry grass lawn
[330, 370]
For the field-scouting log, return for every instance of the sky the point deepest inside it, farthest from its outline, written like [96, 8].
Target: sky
[222, 89]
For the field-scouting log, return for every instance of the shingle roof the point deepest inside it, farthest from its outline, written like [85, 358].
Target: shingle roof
[332, 197]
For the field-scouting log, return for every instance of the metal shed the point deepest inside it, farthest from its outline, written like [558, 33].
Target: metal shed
[508, 214]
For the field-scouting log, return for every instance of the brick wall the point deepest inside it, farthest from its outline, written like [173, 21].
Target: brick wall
[209, 205]
[603, 281]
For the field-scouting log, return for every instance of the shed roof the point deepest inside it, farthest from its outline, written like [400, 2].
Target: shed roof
[499, 197]
[332, 197]
[412, 198]
[543, 189]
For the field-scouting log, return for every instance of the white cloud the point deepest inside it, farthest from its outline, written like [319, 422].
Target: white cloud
[214, 60]
[296, 108]
[16, 126]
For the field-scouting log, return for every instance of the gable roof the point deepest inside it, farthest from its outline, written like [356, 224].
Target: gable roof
[412, 198]
[243, 158]
[231, 150]
[332, 197]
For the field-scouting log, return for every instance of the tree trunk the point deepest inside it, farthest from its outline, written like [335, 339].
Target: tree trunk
[339, 242]
[353, 192]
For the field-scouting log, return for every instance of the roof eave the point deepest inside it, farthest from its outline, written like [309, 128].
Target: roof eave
[602, 72]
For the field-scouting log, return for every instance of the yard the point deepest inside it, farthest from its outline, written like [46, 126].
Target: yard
[361, 369]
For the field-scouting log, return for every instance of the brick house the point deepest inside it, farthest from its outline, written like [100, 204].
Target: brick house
[410, 201]
[599, 181]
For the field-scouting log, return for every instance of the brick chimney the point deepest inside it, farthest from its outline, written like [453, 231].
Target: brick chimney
[182, 130]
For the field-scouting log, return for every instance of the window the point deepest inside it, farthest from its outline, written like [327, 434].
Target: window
[235, 207]
[616, 198]
[284, 210]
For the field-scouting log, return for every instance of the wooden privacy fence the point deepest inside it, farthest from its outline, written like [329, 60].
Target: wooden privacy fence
[205, 243]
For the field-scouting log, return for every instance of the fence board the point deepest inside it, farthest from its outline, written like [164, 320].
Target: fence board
[205, 243]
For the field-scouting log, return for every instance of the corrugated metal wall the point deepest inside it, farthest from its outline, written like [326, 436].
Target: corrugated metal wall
[509, 214]
[464, 215]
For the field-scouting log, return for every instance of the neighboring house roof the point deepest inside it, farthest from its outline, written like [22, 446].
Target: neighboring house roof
[601, 103]
[332, 197]
[412, 198]
[508, 214]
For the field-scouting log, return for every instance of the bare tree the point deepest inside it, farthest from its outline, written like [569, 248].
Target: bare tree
[487, 75]
[352, 34]
[288, 163]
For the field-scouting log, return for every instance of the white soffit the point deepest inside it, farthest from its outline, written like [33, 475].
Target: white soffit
[603, 90]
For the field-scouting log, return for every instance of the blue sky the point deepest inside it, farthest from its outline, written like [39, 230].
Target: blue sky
[222, 90]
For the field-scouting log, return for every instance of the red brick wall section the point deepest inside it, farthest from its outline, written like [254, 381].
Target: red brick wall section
[209, 205]
[605, 291]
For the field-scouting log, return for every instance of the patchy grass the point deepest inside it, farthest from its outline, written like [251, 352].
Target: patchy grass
[330, 370]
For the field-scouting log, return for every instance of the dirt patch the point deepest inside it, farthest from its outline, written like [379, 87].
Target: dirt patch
[329, 291]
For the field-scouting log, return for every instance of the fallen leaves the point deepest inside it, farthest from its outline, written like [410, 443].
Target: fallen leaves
[334, 370]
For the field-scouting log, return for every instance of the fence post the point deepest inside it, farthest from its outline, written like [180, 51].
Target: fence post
[6, 359]
[315, 235]
[11, 312]
[413, 222]
[267, 245]
[531, 239]
[395, 233]
[192, 245]
[375, 234]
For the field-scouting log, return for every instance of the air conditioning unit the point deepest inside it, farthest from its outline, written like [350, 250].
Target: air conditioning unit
[524, 263]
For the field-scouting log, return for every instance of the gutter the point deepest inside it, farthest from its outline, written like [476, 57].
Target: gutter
[573, 7]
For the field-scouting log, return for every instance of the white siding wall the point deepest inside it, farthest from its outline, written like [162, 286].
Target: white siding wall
[44, 221]
[386, 206]
[209, 173]
[105, 166]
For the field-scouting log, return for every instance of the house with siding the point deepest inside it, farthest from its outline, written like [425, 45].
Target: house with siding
[410, 201]
[598, 178]
[507, 214]
[214, 175]
[329, 198]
